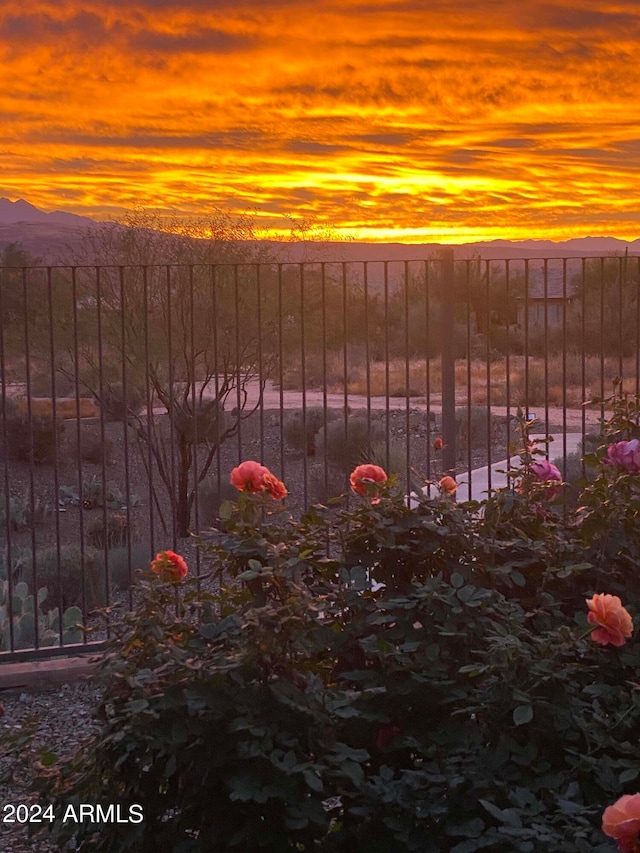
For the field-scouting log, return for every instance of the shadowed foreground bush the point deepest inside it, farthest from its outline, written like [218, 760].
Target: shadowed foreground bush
[463, 705]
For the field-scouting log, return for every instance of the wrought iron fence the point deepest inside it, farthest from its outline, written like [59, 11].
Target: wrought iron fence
[130, 392]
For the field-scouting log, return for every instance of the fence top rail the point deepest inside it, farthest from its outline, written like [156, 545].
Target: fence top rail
[538, 259]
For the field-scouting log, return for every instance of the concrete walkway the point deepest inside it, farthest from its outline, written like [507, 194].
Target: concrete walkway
[475, 486]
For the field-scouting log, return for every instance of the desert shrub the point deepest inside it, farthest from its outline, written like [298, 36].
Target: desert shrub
[301, 435]
[344, 448]
[114, 406]
[36, 440]
[393, 462]
[94, 450]
[109, 533]
[42, 386]
[64, 580]
[118, 563]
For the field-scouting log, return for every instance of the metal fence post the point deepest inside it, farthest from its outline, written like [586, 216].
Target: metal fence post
[447, 361]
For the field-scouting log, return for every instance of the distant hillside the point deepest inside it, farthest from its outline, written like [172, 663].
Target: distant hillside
[12, 212]
[52, 237]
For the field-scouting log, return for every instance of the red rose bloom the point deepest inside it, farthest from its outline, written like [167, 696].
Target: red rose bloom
[169, 566]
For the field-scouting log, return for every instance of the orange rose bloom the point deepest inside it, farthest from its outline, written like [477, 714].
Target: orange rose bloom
[438, 444]
[248, 476]
[275, 487]
[615, 623]
[169, 566]
[255, 478]
[365, 476]
[448, 485]
[622, 822]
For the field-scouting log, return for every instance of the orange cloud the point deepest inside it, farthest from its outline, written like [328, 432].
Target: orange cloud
[386, 119]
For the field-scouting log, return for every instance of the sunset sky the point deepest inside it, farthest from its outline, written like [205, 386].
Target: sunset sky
[404, 120]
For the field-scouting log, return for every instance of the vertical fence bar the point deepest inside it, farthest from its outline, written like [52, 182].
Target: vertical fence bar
[56, 481]
[103, 464]
[149, 404]
[564, 369]
[196, 409]
[469, 390]
[488, 421]
[582, 357]
[546, 351]
[261, 377]
[281, 371]
[447, 362]
[325, 462]
[526, 338]
[172, 413]
[125, 438]
[34, 558]
[76, 379]
[8, 556]
[345, 370]
[427, 379]
[387, 406]
[407, 380]
[637, 388]
[238, 366]
[507, 285]
[367, 353]
[602, 346]
[216, 372]
[305, 472]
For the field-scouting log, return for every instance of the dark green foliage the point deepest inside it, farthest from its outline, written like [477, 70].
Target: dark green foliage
[459, 703]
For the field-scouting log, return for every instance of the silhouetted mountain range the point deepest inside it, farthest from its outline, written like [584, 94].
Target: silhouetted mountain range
[51, 236]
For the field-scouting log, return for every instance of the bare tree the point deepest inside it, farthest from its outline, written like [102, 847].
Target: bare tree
[175, 321]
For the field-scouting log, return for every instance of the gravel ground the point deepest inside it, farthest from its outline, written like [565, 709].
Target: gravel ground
[62, 719]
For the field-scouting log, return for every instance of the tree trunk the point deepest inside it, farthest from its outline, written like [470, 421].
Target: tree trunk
[183, 508]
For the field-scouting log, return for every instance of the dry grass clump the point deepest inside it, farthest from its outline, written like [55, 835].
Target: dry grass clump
[532, 380]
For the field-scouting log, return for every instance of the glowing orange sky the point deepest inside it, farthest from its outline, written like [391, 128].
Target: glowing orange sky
[424, 120]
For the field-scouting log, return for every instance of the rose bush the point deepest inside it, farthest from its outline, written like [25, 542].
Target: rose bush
[377, 677]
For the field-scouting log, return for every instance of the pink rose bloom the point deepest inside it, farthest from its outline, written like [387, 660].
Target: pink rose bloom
[622, 822]
[546, 472]
[624, 454]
